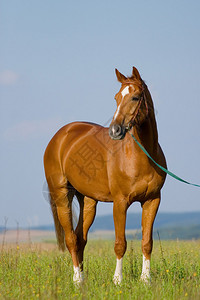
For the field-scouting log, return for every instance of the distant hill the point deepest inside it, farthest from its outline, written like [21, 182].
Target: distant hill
[169, 225]
[182, 233]
[162, 220]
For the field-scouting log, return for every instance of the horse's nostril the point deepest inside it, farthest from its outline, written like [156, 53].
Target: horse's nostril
[116, 131]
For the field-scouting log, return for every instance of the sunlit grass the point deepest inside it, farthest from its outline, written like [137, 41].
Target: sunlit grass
[32, 273]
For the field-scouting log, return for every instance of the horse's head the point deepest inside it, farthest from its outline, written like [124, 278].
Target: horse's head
[132, 108]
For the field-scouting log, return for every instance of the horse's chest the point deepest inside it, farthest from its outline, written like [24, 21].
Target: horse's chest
[138, 181]
[146, 187]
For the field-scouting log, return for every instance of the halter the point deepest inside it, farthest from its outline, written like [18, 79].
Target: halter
[143, 98]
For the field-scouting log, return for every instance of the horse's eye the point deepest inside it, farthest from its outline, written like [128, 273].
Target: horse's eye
[135, 98]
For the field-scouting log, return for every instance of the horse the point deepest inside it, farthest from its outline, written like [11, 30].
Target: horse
[95, 163]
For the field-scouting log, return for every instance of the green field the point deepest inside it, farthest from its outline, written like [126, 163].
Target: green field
[42, 272]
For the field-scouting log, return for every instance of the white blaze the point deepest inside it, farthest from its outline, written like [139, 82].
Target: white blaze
[118, 272]
[117, 111]
[124, 92]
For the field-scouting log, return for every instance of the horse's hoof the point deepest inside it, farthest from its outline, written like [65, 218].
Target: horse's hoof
[117, 280]
[145, 279]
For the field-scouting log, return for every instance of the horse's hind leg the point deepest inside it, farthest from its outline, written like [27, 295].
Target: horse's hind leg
[62, 194]
[86, 218]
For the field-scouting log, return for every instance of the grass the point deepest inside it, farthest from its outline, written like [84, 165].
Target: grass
[33, 272]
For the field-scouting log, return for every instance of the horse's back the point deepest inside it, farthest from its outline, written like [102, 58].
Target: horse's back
[67, 135]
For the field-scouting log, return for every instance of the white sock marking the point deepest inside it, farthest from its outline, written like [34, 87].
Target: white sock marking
[145, 270]
[117, 279]
[78, 276]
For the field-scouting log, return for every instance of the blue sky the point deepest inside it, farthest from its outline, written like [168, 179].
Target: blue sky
[57, 61]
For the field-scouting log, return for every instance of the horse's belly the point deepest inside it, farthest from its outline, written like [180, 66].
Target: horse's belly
[89, 179]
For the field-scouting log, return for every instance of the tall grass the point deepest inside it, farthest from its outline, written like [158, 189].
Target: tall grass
[34, 273]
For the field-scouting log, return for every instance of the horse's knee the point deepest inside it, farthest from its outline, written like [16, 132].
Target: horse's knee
[120, 248]
[71, 242]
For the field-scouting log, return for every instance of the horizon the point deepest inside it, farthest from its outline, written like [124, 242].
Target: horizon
[51, 224]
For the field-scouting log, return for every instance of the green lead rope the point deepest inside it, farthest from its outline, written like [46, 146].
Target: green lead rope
[162, 168]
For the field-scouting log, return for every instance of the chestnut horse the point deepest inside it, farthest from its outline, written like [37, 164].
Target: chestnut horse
[95, 163]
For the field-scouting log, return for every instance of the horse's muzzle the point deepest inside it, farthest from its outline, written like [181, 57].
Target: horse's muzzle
[117, 132]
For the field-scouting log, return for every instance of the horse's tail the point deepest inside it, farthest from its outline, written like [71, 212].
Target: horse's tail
[60, 234]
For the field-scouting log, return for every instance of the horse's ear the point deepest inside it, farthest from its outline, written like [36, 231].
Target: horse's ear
[121, 78]
[136, 74]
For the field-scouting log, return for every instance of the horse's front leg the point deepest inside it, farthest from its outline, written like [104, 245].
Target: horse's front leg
[149, 210]
[119, 215]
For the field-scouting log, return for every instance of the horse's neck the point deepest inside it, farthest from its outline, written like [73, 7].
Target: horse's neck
[147, 134]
